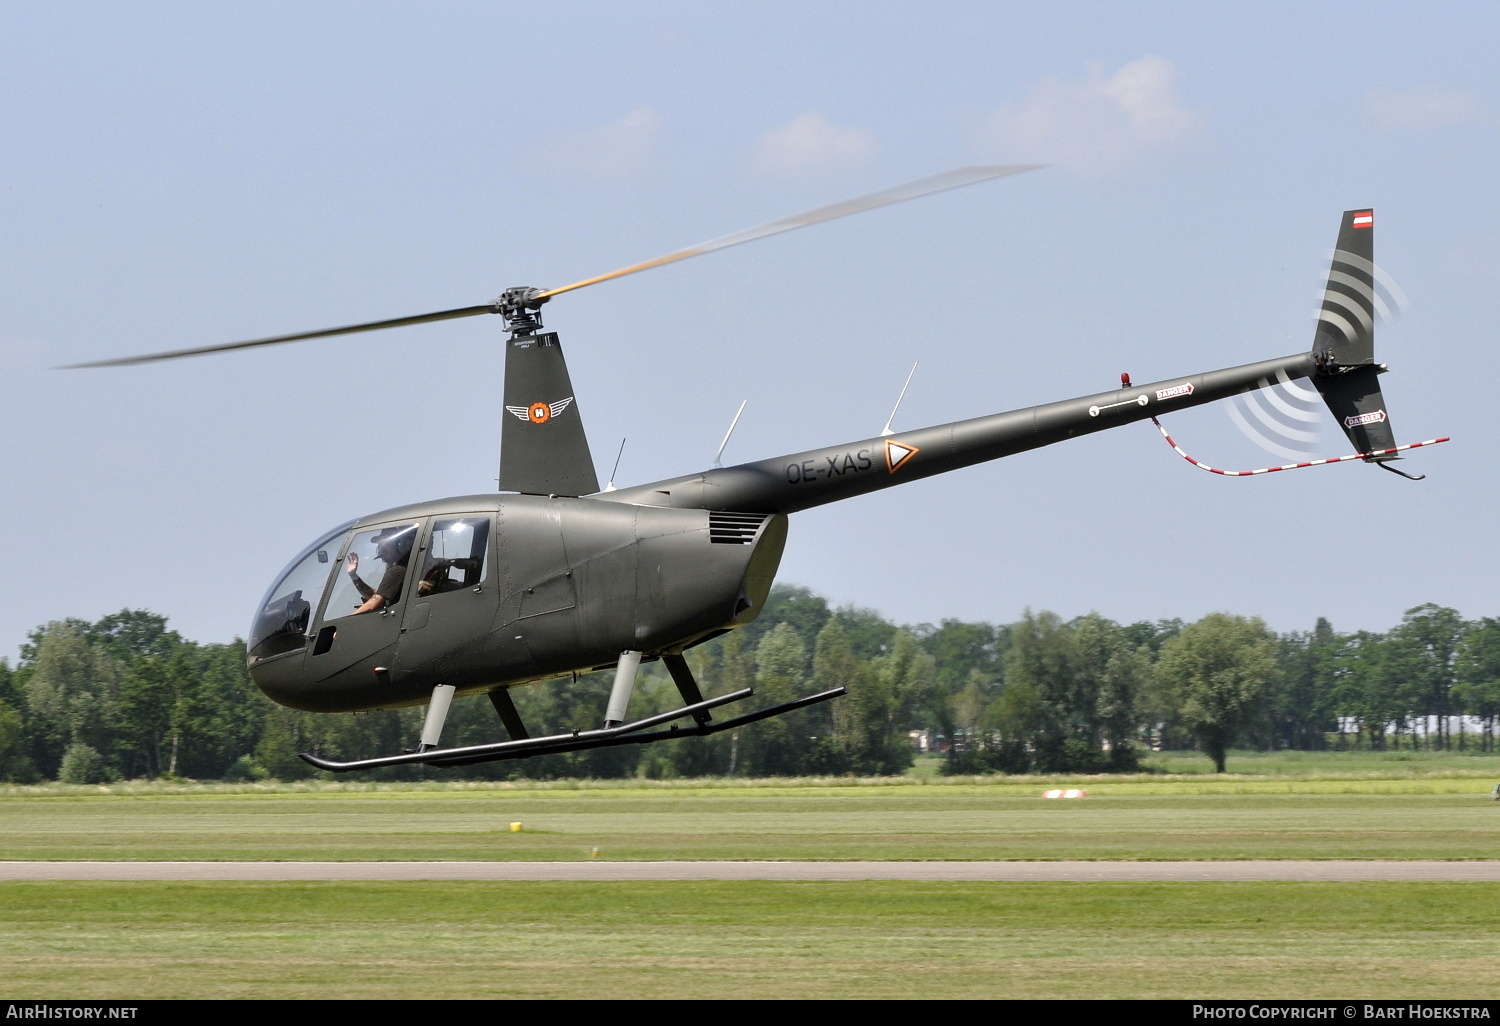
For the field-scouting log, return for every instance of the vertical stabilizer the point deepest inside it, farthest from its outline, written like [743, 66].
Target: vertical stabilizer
[543, 448]
[1344, 345]
[1346, 322]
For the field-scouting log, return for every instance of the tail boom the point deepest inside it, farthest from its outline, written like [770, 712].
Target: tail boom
[799, 481]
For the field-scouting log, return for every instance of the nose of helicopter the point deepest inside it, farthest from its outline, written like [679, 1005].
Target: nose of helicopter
[277, 642]
[283, 681]
[286, 681]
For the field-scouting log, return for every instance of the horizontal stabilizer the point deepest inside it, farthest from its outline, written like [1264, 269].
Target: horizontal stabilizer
[1355, 401]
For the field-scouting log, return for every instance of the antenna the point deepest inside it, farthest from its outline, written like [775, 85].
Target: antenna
[611, 486]
[718, 456]
[887, 429]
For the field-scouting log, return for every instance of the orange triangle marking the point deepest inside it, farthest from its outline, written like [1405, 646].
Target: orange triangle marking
[897, 454]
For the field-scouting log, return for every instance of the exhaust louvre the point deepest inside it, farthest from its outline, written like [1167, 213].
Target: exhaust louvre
[734, 528]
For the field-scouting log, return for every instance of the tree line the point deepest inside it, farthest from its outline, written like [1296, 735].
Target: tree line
[126, 697]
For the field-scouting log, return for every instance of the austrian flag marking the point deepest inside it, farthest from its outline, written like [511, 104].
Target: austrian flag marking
[1186, 388]
[1363, 219]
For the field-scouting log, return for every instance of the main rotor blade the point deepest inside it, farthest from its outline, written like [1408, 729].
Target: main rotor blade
[911, 190]
[900, 193]
[395, 322]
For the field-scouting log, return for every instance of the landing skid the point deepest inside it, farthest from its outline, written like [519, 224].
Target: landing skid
[580, 740]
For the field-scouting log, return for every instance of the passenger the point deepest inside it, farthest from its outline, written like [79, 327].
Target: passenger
[393, 547]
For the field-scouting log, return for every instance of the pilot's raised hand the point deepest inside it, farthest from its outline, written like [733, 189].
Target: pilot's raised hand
[351, 565]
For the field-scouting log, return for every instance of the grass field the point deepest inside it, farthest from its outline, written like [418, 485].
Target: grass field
[889, 823]
[1345, 806]
[872, 939]
[890, 940]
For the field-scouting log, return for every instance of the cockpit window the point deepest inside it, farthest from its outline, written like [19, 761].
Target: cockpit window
[373, 573]
[456, 555]
[281, 621]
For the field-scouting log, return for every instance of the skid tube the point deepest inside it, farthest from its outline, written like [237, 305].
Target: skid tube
[697, 730]
[624, 734]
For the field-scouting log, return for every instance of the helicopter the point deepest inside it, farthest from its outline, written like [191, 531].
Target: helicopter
[551, 576]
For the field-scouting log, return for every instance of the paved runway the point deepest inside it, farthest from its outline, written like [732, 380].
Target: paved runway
[980, 871]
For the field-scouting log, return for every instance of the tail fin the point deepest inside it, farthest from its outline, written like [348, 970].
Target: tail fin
[543, 448]
[1344, 345]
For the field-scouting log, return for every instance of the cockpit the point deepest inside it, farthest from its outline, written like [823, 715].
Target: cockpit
[352, 572]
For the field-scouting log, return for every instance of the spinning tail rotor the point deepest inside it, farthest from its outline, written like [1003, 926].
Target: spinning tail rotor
[1282, 418]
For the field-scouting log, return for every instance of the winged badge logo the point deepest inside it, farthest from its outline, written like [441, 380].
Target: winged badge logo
[540, 413]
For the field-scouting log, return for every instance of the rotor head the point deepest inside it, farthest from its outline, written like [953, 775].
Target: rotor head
[521, 308]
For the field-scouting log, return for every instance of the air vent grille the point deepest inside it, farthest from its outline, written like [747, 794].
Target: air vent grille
[733, 528]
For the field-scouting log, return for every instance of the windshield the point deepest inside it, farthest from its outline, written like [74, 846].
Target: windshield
[282, 619]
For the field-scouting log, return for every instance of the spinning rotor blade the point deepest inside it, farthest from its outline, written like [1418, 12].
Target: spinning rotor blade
[530, 299]
[395, 322]
[911, 190]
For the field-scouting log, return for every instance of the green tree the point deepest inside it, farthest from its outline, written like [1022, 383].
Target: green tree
[963, 654]
[870, 635]
[571, 703]
[1109, 677]
[997, 727]
[1042, 657]
[960, 649]
[1478, 669]
[1425, 648]
[82, 765]
[1152, 636]
[873, 719]
[1300, 707]
[738, 661]
[10, 691]
[132, 633]
[146, 700]
[835, 665]
[15, 755]
[772, 747]
[285, 734]
[1217, 671]
[72, 694]
[795, 606]
[1367, 688]
[1121, 686]
[1087, 678]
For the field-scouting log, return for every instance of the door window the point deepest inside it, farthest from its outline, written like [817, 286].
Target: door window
[372, 576]
[456, 555]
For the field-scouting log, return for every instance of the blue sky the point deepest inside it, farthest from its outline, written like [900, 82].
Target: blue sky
[182, 174]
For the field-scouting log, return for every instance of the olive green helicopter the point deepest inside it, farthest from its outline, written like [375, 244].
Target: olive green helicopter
[551, 576]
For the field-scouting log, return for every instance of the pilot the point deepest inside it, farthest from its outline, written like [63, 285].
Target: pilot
[393, 547]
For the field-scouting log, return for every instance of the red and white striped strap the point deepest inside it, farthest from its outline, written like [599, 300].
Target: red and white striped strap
[1290, 466]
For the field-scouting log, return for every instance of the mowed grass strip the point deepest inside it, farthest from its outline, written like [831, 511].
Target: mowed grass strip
[898, 822]
[735, 940]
